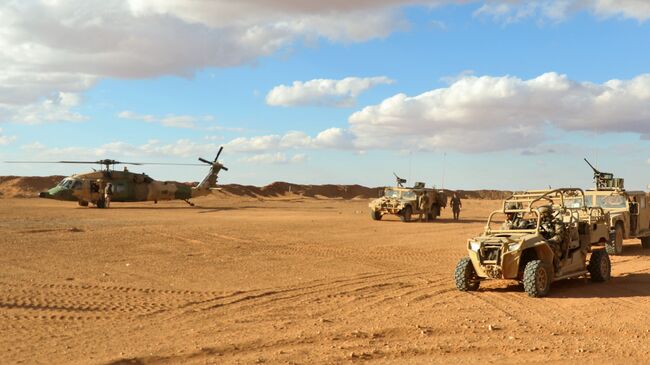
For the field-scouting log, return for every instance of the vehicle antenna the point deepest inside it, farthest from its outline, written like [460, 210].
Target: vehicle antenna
[444, 168]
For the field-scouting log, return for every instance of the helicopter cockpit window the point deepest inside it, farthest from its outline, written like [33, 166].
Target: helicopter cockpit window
[76, 185]
[67, 183]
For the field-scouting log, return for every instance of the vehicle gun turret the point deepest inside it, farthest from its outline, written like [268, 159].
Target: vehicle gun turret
[606, 180]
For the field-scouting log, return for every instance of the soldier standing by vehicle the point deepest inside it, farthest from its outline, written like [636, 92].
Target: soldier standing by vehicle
[108, 194]
[456, 204]
[634, 214]
[424, 208]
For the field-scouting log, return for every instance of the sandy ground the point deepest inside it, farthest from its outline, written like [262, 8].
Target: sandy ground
[287, 281]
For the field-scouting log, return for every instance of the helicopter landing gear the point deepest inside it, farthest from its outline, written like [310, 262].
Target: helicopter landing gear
[188, 202]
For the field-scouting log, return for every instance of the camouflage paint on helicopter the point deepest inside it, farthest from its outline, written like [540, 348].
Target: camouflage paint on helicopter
[128, 186]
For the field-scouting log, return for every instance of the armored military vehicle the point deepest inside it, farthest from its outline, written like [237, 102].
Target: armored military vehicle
[539, 240]
[406, 202]
[629, 211]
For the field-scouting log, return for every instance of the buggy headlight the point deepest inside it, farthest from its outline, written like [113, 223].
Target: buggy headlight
[514, 246]
[474, 246]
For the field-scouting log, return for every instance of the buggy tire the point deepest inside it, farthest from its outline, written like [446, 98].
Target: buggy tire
[537, 279]
[375, 215]
[465, 276]
[405, 215]
[600, 268]
[645, 242]
[83, 203]
[101, 204]
[615, 247]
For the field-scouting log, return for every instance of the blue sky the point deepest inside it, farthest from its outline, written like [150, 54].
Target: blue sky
[497, 95]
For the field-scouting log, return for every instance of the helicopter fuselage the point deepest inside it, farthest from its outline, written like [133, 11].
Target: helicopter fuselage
[126, 187]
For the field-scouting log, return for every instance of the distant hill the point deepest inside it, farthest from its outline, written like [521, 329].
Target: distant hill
[30, 186]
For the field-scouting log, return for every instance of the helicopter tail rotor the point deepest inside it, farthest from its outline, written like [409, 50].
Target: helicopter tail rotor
[210, 181]
[216, 161]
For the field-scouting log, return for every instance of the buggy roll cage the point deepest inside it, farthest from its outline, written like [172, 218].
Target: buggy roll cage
[526, 203]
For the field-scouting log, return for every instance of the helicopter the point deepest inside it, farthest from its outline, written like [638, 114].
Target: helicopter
[126, 186]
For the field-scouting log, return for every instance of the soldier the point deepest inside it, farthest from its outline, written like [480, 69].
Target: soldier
[553, 230]
[108, 194]
[513, 220]
[634, 214]
[456, 204]
[424, 207]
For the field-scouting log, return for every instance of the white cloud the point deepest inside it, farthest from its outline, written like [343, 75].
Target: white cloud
[635, 9]
[153, 148]
[54, 48]
[51, 110]
[170, 120]
[329, 138]
[5, 140]
[323, 92]
[510, 11]
[274, 158]
[488, 113]
[49, 47]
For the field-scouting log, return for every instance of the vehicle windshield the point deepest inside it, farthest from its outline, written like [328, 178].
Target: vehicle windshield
[409, 195]
[390, 193]
[607, 201]
[573, 202]
[513, 221]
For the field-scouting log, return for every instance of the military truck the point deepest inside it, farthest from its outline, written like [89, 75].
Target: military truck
[629, 211]
[537, 239]
[407, 202]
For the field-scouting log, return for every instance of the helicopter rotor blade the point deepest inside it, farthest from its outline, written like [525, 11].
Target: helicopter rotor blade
[82, 162]
[170, 164]
[205, 161]
[113, 162]
[218, 154]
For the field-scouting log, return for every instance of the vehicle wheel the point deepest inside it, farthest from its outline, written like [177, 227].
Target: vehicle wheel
[83, 203]
[406, 214]
[600, 268]
[100, 204]
[645, 242]
[376, 216]
[537, 279]
[616, 247]
[465, 275]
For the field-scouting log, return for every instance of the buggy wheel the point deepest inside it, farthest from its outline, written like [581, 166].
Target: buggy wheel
[600, 268]
[465, 275]
[83, 203]
[537, 279]
[645, 242]
[406, 214]
[375, 215]
[101, 204]
[616, 247]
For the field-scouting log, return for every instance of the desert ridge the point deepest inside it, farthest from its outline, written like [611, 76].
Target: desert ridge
[30, 186]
